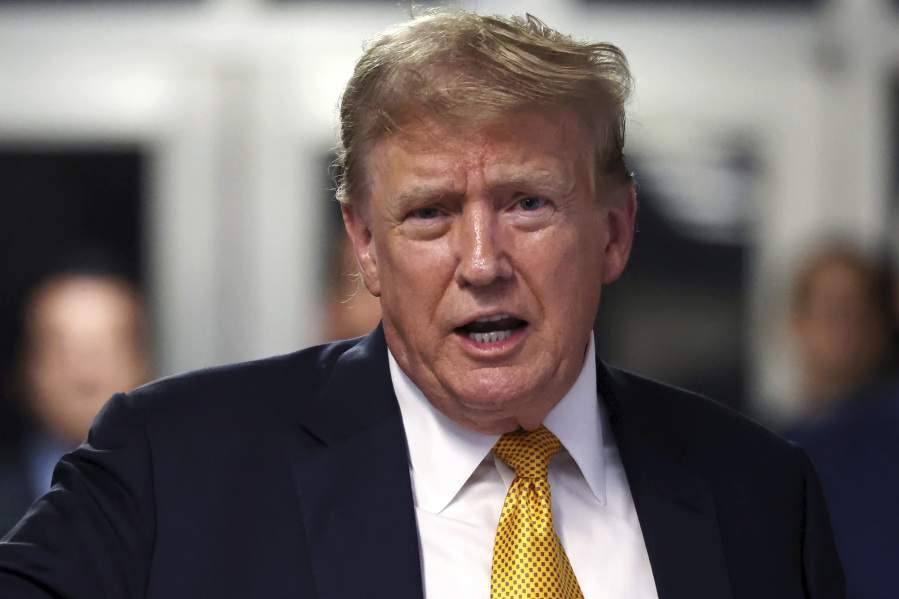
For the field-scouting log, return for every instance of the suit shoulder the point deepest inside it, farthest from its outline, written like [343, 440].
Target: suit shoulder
[688, 419]
[266, 380]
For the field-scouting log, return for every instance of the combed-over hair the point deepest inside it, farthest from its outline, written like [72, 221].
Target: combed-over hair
[469, 68]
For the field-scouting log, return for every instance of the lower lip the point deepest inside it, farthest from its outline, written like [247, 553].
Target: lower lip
[496, 346]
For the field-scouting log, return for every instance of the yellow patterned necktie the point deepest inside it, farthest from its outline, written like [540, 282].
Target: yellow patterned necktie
[528, 559]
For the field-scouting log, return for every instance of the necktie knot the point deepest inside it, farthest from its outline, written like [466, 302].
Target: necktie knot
[528, 453]
[528, 558]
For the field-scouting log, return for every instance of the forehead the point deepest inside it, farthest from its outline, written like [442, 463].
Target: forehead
[535, 146]
[82, 303]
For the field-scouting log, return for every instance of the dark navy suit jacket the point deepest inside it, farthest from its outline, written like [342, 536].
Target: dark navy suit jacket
[855, 449]
[288, 477]
[16, 493]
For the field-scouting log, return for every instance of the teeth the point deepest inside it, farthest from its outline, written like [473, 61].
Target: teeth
[493, 318]
[491, 337]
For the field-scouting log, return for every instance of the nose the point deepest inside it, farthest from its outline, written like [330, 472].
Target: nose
[480, 247]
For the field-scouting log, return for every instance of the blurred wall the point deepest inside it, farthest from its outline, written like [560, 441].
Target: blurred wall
[234, 101]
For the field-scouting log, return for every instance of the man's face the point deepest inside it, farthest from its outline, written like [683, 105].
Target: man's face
[488, 247]
[841, 331]
[83, 346]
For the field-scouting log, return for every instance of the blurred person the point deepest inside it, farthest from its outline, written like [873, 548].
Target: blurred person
[851, 426]
[475, 430]
[840, 322]
[82, 340]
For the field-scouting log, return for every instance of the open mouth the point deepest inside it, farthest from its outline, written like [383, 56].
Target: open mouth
[490, 329]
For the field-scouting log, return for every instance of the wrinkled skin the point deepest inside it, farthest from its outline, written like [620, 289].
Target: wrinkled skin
[504, 220]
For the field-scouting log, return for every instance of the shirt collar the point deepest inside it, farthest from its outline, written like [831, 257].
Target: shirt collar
[577, 422]
[444, 454]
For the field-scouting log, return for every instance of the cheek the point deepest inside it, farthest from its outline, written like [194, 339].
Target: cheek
[565, 257]
[564, 275]
[414, 276]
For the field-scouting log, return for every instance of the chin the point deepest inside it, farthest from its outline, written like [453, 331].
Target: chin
[493, 397]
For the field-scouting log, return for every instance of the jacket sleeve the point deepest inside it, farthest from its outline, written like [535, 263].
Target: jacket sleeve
[823, 572]
[91, 535]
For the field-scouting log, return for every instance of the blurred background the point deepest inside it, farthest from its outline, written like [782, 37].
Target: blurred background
[190, 141]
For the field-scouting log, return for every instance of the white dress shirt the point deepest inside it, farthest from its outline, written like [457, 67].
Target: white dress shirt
[459, 487]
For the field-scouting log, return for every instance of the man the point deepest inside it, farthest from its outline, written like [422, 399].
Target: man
[487, 199]
[82, 340]
[840, 324]
[850, 426]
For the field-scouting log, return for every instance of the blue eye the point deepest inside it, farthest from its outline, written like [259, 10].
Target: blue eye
[426, 213]
[530, 204]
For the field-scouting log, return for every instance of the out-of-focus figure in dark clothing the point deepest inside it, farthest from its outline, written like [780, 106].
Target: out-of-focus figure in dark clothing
[83, 339]
[842, 327]
[840, 323]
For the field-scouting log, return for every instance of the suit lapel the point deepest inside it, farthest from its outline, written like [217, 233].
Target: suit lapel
[353, 488]
[676, 507]
[355, 494]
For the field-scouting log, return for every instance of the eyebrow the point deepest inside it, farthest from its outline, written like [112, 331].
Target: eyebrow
[539, 181]
[423, 193]
[544, 181]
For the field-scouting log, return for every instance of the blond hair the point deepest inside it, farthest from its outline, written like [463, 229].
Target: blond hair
[466, 67]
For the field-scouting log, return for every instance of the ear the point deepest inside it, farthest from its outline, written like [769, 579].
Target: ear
[620, 220]
[798, 324]
[357, 228]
